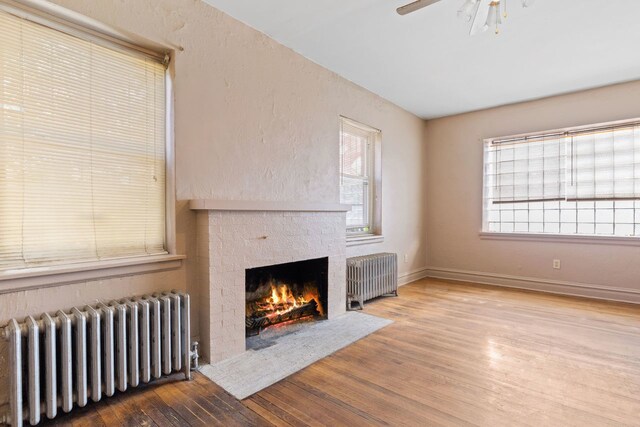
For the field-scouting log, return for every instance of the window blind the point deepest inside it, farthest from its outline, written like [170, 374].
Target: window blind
[82, 149]
[601, 163]
[605, 163]
[526, 169]
[355, 189]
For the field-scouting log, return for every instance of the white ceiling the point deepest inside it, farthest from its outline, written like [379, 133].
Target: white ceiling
[427, 63]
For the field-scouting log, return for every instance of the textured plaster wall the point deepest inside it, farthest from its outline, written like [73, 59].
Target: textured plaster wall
[253, 121]
[454, 189]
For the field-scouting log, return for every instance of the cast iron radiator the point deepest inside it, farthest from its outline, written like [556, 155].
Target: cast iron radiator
[63, 359]
[371, 276]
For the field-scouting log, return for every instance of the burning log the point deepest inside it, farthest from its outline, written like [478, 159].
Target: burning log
[261, 320]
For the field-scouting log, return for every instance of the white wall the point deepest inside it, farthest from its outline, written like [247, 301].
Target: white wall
[454, 192]
[253, 121]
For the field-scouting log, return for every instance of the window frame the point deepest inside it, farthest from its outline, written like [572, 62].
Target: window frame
[373, 205]
[61, 19]
[603, 239]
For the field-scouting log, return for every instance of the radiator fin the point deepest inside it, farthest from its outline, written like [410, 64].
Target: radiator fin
[65, 361]
[133, 345]
[95, 354]
[145, 341]
[33, 344]
[108, 352]
[121, 345]
[51, 382]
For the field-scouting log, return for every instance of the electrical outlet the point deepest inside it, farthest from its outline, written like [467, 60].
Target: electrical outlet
[406, 258]
[556, 264]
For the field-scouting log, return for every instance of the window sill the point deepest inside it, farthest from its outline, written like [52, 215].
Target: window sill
[364, 239]
[562, 238]
[42, 277]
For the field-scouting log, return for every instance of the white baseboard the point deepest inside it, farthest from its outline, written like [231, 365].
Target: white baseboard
[536, 284]
[412, 276]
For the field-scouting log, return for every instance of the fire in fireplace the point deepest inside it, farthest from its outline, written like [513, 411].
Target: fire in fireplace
[285, 293]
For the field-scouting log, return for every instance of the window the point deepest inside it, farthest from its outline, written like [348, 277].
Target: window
[359, 168]
[82, 147]
[581, 181]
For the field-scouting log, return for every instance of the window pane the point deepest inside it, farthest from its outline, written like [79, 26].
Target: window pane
[586, 228]
[354, 149]
[586, 216]
[624, 230]
[521, 227]
[354, 192]
[604, 229]
[604, 216]
[536, 227]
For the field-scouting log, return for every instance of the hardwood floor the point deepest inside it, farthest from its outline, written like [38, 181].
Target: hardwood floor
[456, 355]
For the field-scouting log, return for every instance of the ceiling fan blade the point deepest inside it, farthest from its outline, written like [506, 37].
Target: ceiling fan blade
[479, 18]
[416, 5]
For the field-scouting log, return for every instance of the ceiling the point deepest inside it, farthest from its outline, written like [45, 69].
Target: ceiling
[427, 63]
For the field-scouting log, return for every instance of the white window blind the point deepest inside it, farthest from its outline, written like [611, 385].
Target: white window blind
[578, 181]
[526, 169]
[605, 164]
[82, 149]
[356, 187]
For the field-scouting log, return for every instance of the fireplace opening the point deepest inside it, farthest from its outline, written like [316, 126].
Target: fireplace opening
[285, 293]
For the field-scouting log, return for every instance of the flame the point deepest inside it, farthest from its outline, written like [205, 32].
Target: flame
[283, 300]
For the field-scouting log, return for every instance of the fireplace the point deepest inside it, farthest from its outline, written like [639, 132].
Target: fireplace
[234, 237]
[285, 293]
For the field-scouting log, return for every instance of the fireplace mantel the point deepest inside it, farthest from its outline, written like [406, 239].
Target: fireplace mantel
[255, 206]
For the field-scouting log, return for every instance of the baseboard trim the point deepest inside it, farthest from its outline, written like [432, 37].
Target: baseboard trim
[536, 284]
[412, 276]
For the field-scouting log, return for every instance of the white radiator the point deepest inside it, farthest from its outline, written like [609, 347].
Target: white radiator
[371, 276]
[92, 350]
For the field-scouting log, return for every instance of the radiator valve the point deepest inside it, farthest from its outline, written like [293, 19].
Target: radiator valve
[194, 356]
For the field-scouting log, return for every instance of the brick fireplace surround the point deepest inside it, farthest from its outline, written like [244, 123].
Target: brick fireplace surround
[235, 236]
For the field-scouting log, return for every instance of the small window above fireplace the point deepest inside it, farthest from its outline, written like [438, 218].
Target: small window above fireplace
[285, 293]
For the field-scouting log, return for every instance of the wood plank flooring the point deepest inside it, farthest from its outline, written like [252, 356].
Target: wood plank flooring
[457, 355]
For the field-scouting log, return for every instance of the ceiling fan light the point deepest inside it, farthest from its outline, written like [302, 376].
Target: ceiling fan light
[493, 16]
[466, 10]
